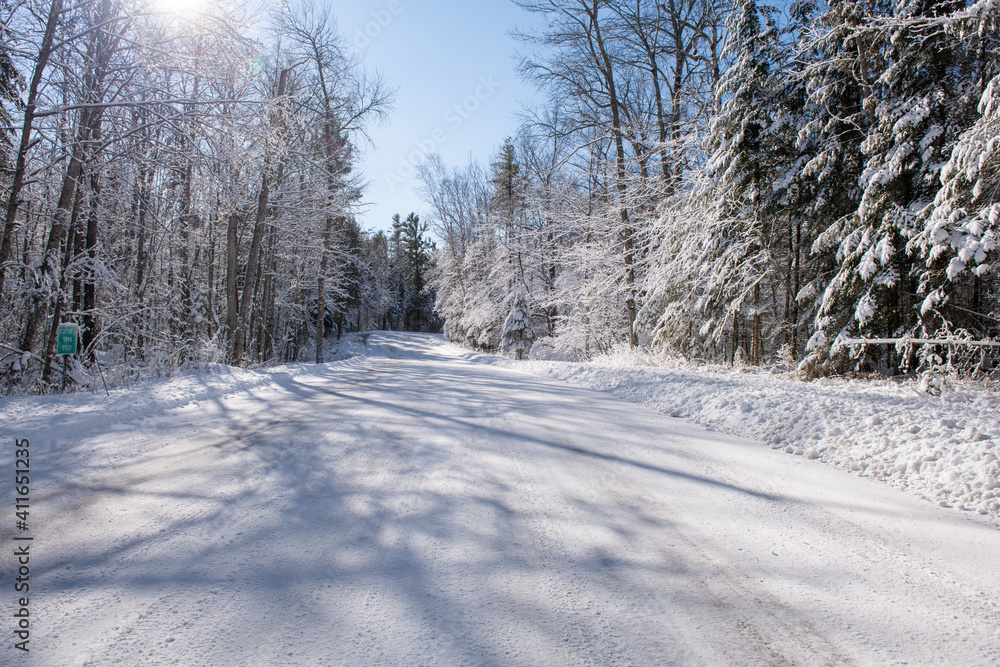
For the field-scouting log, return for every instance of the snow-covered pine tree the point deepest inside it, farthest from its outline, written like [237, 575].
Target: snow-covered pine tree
[961, 236]
[508, 207]
[415, 251]
[685, 304]
[834, 62]
[508, 197]
[918, 103]
[743, 164]
[517, 336]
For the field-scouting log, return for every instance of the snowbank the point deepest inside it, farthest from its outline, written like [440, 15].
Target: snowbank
[942, 448]
[124, 404]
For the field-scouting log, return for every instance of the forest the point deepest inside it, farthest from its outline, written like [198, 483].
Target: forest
[807, 184]
[182, 187]
[810, 185]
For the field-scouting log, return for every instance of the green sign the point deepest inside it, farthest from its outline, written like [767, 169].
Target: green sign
[67, 335]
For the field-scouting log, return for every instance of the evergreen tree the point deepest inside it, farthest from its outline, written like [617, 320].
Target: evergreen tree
[743, 163]
[917, 105]
[415, 251]
[822, 179]
[961, 233]
[517, 336]
[509, 207]
[509, 185]
[381, 284]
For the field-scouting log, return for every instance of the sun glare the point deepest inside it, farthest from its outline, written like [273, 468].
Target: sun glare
[181, 6]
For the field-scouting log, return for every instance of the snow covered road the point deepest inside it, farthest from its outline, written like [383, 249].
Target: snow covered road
[413, 507]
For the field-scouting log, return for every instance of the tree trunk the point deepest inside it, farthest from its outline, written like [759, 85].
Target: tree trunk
[736, 338]
[141, 257]
[796, 266]
[239, 337]
[255, 312]
[89, 332]
[76, 245]
[756, 337]
[680, 64]
[50, 264]
[17, 183]
[789, 270]
[211, 320]
[232, 257]
[186, 269]
[616, 126]
[50, 344]
[102, 47]
[324, 266]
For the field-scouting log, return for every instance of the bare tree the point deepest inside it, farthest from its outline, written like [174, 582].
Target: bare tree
[343, 101]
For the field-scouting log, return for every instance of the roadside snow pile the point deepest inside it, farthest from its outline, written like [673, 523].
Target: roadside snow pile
[942, 448]
[44, 413]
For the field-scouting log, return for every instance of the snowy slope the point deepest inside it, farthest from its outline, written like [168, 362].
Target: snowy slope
[412, 508]
[943, 448]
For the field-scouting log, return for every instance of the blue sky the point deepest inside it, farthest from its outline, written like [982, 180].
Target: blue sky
[458, 92]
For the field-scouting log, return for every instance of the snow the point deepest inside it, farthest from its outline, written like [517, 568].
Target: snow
[422, 504]
[942, 448]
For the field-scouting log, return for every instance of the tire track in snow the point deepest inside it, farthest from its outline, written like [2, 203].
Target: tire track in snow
[726, 604]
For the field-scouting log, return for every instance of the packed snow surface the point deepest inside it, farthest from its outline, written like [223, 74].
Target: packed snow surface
[411, 506]
[945, 448]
